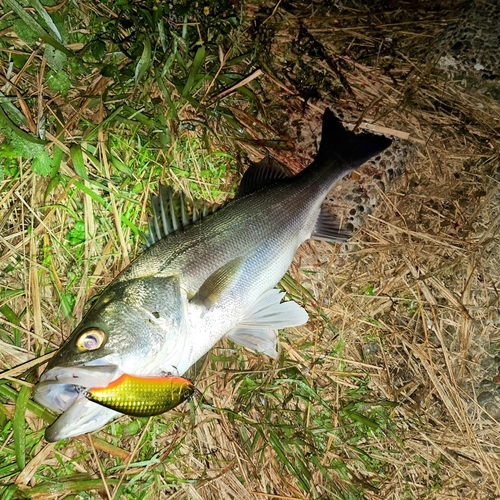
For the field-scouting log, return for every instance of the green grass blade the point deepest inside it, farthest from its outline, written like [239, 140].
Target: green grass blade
[357, 417]
[35, 408]
[10, 294]
[140, 117]
[36, 27]
[144, 61]
[5, 120]
[18, 426]
[195, 103]
[284, 456]
[92, 134]
[91, 193]
[9, 492]
[307, 390]
[162, 35]
[74, 484]
[243, 90]
[12, 317]
[6, 102]
[78, 161]
[172, 112]
[198, 61]
[47, 19]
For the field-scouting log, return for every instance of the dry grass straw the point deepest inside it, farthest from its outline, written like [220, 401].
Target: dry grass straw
[429, 255]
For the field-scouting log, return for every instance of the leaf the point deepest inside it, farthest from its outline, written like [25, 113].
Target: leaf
[307, 390]
[42, 164]
[92, 134]
[10, 294]
[19, 426]
[76, 235]
[144, 61]
[59, 82]
[198, 60]
[6, 103]
[36, 27]
[78, 161]
[55, 58]
[65, 486]
[357, 417]
[243, 90]
[172, 111]
[47, 19]
[54, 181]
[6, 121]
[22, 30]
[163, 38]
[92, 194]
[13, 318]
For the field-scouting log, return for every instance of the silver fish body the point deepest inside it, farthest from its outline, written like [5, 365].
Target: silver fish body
[214, 278]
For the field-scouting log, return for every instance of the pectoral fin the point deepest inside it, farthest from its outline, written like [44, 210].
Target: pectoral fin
[218, 282]
[257, 330]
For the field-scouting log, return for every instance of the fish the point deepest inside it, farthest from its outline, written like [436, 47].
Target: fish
[204, 276]
[142, 396]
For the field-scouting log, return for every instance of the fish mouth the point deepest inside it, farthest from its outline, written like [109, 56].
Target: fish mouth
[61, 390]
[59, 387]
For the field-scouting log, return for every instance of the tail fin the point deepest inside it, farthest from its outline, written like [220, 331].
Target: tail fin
[340, 152]
[353, 149]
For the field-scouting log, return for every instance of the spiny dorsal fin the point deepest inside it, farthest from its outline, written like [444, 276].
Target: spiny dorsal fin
[172, 212]
[266, 171]
[328, 228]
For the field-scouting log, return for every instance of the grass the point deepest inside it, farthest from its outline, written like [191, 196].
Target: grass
[373, 398]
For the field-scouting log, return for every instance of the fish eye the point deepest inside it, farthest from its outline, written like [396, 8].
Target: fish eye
[90, 340]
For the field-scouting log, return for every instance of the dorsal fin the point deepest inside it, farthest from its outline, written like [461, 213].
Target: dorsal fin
[172, 212]
[266, 171]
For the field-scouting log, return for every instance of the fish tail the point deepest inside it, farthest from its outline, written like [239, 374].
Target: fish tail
[341, 151]
[338, 143]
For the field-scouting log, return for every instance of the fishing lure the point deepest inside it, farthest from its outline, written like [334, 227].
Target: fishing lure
[142, 396]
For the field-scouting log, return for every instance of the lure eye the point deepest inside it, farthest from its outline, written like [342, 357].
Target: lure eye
[90, 340]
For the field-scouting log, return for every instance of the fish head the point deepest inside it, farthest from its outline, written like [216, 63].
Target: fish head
[136, 327]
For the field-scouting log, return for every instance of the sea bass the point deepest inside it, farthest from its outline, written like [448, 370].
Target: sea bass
[209, 279]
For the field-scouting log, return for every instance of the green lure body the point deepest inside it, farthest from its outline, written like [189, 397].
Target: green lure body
[142, 396]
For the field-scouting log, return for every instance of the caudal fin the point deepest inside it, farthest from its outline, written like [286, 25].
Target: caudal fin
[353, 149]
[340, 152]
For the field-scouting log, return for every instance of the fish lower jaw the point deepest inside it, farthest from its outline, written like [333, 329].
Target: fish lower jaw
[81, 417]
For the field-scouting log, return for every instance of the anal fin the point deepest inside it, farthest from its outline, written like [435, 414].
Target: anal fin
[329, 228]
[255, 339]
